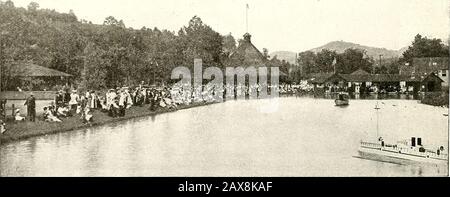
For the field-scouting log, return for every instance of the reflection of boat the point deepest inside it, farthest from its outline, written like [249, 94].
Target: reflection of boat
[343, 99]
[403, 151]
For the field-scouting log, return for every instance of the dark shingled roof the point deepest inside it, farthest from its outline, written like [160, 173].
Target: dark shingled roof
[319, 77]
[247, 54]
[360, 72]
[380, 78]
[331, 77]
[25, 69]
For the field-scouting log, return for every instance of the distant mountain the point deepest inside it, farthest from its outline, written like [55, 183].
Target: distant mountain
[288, 56]
[341, 46]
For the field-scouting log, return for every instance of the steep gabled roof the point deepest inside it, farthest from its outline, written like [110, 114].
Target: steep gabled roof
[247, 54]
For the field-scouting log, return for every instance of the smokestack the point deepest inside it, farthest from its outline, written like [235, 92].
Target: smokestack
[419, 141]
[413, 142]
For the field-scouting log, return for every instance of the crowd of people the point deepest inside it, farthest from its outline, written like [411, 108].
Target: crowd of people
[115, 102]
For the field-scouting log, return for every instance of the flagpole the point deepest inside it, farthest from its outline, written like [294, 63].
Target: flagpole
[246, 18]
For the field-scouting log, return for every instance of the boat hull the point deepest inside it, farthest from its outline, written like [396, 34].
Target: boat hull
[341, 102]
[399, 157]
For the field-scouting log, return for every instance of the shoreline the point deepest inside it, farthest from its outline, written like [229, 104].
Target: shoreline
[22, 131]
[17, 131]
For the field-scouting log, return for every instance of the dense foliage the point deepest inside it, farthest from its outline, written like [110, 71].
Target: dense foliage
[425, 47]
[353, 59]
[104, 56]
[327, 61]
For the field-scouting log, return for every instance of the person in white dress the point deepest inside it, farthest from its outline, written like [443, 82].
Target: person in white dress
[2, 127]
[18, 117]
[88, 117]
[74, 98]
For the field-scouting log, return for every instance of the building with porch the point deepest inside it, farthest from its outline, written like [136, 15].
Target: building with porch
[427, 65]
[362, 82]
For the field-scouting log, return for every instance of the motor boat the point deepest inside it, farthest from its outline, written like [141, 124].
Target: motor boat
[406, 151]
[342, 99]
[402, 151]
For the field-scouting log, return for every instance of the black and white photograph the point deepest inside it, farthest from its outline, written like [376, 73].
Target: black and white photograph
[224, 88]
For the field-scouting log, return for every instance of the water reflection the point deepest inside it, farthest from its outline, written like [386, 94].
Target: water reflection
[304, 137]
[371, 96]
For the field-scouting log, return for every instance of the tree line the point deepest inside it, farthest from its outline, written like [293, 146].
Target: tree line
[107, 55]
[327, 61]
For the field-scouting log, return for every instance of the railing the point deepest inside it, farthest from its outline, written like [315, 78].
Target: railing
[371, 145]
[406, 150]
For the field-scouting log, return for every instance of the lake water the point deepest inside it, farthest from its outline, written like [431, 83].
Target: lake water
[296, 137]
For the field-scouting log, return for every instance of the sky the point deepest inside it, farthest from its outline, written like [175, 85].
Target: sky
[279, 25]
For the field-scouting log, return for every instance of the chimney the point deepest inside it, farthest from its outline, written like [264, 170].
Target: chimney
[413, 142]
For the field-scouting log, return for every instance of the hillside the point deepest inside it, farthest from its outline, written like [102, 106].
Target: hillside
[341, 46]
[288, 56]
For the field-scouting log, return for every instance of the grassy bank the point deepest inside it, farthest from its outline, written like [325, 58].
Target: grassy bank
[23, 130]
[436, 98]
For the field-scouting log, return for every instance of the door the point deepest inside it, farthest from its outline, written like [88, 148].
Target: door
[430, 86]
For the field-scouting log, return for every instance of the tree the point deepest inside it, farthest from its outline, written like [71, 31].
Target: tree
[393, 67]
[95, 64]
[283, 66]
[202, 42]
[352, 60]
[324, 60]
[307, 61]
[229, 44]
[424, 47]
[111, 21]
[327, 61]
[9, 4]
[381, 70]
[33, 6]
[108, 55]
